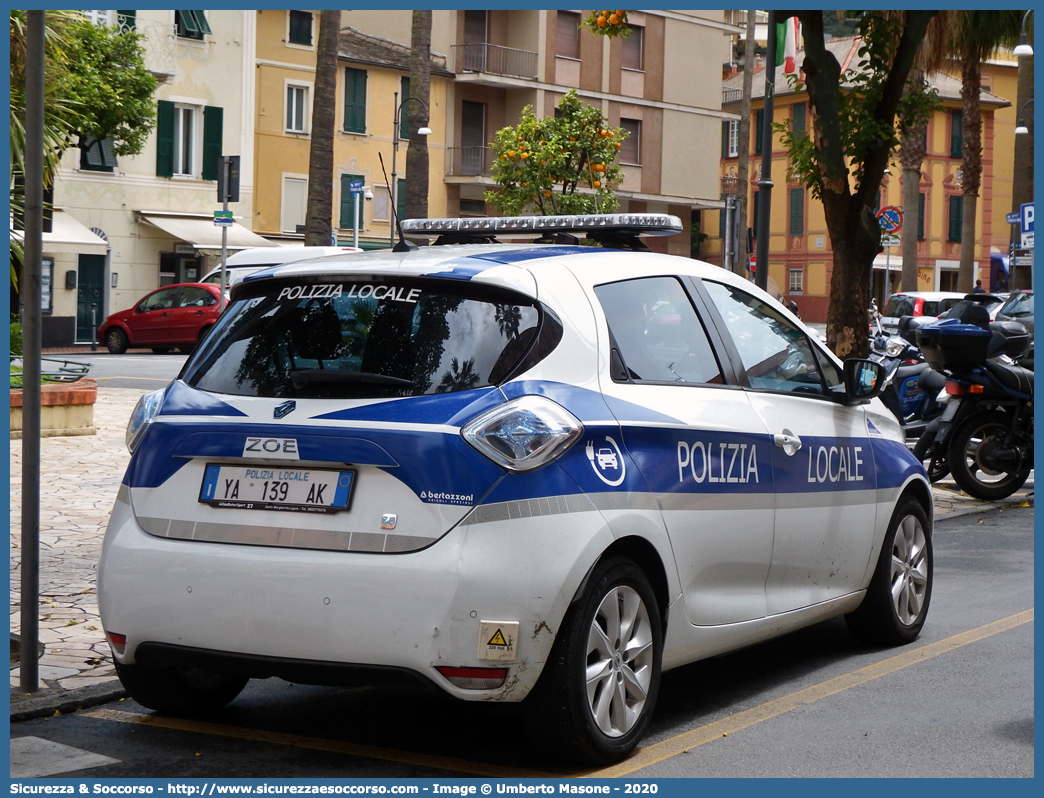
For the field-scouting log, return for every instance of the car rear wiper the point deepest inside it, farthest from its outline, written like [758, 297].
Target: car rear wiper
[302, 377]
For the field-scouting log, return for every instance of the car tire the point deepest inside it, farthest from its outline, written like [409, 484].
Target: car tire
[598, 689]
[180, 691]
[160, 350]
[896, 602]
[116, 340]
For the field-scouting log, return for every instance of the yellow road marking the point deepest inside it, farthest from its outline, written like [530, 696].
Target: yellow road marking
[742, 720]
[316, 744]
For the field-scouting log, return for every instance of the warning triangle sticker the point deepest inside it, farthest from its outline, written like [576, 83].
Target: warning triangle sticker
[497, 639]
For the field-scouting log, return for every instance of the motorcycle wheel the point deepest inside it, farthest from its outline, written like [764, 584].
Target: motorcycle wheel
[932, 456]
[965, 458]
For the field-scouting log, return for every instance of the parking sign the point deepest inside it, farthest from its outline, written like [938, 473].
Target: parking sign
[1026, 225]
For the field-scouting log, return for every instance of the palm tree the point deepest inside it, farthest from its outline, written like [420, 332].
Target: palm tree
[420, 87]
[460, 377]
[913, 135]
[319, 214]
[975, 37]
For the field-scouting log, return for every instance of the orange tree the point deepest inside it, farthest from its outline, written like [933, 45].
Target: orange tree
[558, 165]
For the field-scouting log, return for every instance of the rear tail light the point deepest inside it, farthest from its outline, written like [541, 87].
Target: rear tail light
[144, 412]
[954, 389]
[118, 643]
[474, 678]
[523, 434]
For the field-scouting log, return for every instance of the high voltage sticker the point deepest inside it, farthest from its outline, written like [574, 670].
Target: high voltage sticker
[498, 641]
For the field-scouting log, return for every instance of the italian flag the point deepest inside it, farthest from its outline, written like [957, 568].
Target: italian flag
[787, 33]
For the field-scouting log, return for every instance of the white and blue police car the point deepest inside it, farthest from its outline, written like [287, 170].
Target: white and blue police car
[511, 472]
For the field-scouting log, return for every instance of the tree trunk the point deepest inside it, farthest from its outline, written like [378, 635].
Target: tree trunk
[971, 167]
[420, 87]
[319, 215]
[739, 266]
[911, 156]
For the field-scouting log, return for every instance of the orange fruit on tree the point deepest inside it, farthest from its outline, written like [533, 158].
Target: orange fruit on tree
[547, 193]
[597, 184]
[601, 20]
[614, 19]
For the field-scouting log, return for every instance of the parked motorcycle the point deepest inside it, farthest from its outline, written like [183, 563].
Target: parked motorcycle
[984, 436]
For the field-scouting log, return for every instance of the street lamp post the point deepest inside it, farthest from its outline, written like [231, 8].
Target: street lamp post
[1022, 130]
[423, 131]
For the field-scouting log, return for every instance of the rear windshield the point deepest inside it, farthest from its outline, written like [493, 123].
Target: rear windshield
[898, 306]
[361, 339]
[1019, 305]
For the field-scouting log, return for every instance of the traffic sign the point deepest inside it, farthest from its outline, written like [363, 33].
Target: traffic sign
[1022, 260]
[1013, 218]
[890, 240]
[222, 218]
[1026, 224]
[890, 218]
[355, 186]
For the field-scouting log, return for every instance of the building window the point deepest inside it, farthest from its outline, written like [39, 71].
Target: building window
[759, 132]
[567, 42]
[191, 24]
[348, 203]
[472, 207]
[99, 18]
[797, 211]
[795, 281]
[798, 126]
[920, 216]
[631, 147]
[180, 149]
[294, 201]
[96, 155]
[475, 37]
[956, 218]
[354, 100]
[729, 139]
[296, 108]
[473, 138]
[956, 134]
[755, 203]
[300, 28]
[633, 49]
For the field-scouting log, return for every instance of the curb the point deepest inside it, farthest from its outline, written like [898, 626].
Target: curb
[65, 702]
[998, 504]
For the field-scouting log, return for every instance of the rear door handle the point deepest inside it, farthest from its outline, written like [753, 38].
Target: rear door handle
[787, 441]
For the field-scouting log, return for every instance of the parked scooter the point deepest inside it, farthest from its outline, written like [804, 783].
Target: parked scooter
[984, 436]
[911, 386]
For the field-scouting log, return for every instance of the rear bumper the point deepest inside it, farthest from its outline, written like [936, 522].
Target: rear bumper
[330, 617]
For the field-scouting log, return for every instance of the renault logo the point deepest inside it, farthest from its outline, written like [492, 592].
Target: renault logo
[285, 409]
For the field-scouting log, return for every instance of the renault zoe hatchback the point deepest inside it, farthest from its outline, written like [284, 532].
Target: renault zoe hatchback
[507, 472]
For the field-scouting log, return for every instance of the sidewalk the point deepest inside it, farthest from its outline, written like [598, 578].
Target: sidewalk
[79, 478]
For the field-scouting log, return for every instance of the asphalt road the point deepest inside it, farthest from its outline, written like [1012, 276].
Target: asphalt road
[956, 703]
[145, 371]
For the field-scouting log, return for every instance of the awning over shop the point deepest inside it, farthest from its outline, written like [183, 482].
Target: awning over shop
[200, 231]
[68, 236]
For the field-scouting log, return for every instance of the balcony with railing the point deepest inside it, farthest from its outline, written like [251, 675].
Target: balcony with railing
[492, 59]
[729, 96]
[159, 42]
[468, 161]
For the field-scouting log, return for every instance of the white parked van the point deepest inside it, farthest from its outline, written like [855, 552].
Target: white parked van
[248, 261]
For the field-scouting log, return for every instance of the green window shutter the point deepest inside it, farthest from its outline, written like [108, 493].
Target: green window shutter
[126, 20]
[757, 196]
[348, 200]
[301, 27]
[212, 124]
[201, 21]
[721, 223]
[404, 120]
[799, 119]
[956, 134]
[758, 133]
[797, 211]
[165, 139]
[354, 100]
[400, 199]
[920, 217]
[956, 217]
[724, 139]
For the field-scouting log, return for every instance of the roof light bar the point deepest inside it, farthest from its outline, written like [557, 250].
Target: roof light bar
[648, 224]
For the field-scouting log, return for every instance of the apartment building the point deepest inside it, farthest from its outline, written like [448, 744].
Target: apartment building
[662, 84]
[127, 225]
[800, 256]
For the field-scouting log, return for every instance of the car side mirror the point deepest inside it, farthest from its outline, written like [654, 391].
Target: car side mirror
[864, 380]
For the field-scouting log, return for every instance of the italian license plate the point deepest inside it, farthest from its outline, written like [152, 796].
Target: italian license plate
[302, 490]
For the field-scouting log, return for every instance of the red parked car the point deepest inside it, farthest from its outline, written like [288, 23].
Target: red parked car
[172, 316]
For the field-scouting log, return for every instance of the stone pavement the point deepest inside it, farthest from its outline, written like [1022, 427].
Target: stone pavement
[79, 478]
